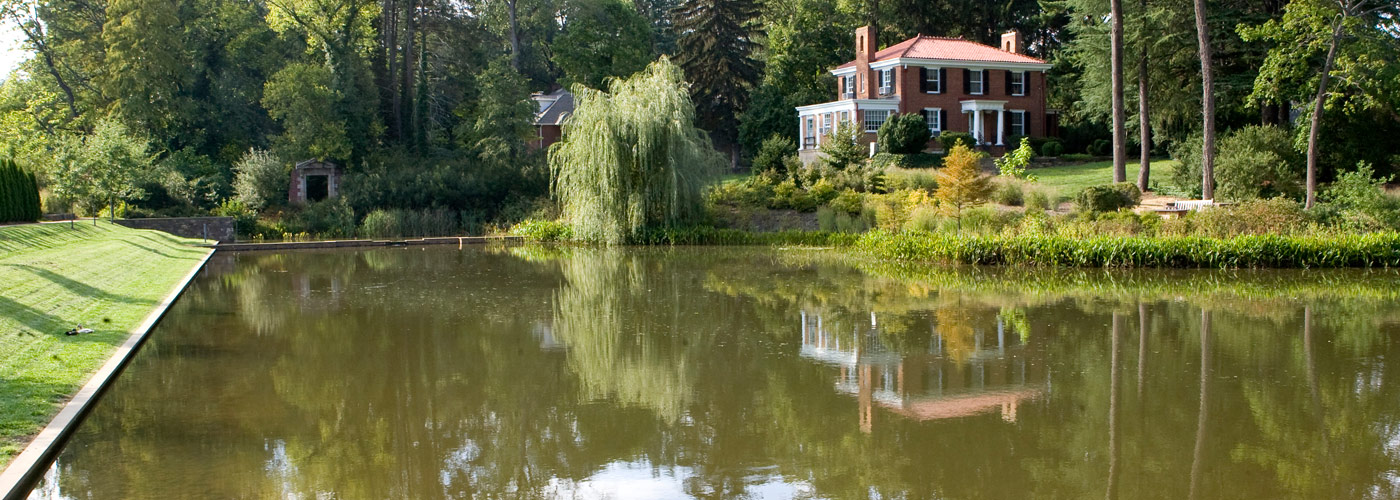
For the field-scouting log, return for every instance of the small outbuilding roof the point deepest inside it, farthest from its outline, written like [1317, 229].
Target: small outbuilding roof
[554, 107]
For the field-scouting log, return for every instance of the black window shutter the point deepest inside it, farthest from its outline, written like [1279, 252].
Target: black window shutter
[923, 79]
[967, 81]
[1026, 123]
[924, 113]
[1008, 82]
[1025, 83]
[942, 119]
[986, 82]
[942, 79]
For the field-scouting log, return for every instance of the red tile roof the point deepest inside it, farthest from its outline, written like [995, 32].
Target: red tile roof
[955, 49]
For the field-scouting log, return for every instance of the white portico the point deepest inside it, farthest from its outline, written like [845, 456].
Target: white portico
[977, 110]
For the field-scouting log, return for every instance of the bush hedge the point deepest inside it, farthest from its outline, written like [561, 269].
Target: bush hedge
[19, 194]
[1271, 251]
[1108, 198]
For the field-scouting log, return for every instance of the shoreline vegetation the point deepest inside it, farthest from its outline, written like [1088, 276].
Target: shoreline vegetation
[54, 277]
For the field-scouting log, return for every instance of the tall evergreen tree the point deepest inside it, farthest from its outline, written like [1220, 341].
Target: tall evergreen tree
[1207, 103]
[1120, 134]
[1144, 125]
[716, 51]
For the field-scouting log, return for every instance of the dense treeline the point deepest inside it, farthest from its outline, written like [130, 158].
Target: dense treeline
[426, 101]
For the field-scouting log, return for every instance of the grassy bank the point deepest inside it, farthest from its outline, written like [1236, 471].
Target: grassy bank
[53, 277]
[1068, 180]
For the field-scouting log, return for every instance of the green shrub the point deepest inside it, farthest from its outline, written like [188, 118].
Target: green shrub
[1360, 202]
[324, 219]
[1014, 162]
[786, 195]
[1108, 198]
[1257, 162]
[245, 220]
[949, 139]
[1278, 216]
[910, 179]
[1100, 147]
[822, 191]
[1038, 200]
[903, 134]
[19, 193]
[1009, 194]
[924, 218]
[771, 159]
[543, 230]
[922, 160]
[848, 202]
[1052, 148]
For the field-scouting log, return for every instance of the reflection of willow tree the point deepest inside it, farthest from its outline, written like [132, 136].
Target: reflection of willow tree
[617, 348]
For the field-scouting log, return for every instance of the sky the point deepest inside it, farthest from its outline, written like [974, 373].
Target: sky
[11, 53]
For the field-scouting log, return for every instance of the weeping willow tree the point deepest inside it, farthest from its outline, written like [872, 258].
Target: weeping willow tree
[631, 157]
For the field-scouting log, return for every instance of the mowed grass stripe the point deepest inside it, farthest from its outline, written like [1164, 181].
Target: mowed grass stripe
[52, 277]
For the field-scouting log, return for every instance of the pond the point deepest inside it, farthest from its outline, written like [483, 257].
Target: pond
[544, 372]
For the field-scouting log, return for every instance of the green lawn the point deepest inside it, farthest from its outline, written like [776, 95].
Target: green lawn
[1068, 180]
[53, 277]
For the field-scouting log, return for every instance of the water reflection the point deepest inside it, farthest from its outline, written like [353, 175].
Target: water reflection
[536, 372]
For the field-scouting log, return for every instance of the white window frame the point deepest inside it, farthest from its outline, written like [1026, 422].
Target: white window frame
[825, 129]
[887, 81]
[884, 116]
[850, 89]
[976, 85]
[1018, 120]
[933, 118]
[1018, 88]
[845, 117]
[933, 76]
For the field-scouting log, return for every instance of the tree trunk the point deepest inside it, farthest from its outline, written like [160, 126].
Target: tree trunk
[1120, 134]
[1315, 124]
[514, 35]
[1144, 127]
[406, 85]
[1207, 104]
[391, 37]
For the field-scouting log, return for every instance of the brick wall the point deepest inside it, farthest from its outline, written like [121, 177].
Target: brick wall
[1033, 103]
[219, 228]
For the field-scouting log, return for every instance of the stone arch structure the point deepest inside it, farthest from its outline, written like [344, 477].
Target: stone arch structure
[314, 180]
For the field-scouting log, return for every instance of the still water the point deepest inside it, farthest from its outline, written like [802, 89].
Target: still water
[535, 372]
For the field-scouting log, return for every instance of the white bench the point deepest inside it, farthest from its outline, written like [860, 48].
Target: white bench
[1179, 208]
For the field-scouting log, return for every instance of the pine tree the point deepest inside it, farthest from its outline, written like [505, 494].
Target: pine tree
[716, 50]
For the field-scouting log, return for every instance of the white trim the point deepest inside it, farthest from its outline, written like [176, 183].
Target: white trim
[851, 105]
[1025, 83]
[937, 113]
[982, 77]
[982, 105]
[844, 71]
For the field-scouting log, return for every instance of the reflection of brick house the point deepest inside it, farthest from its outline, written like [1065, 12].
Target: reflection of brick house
[997, 376]
[957, 85]
[554, 108]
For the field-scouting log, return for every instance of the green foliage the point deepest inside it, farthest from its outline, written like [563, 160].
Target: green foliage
[772, 158]
[601, 39]
[331, 218]
[1108, 198]
[1013, 163]
[950, 139]
[631, 159]
[1186, 170]
[843, 150]
[1357, 250]
[848, 202]
[260, 179]
[1052, 149]
[716, 50]
[896, 180]
[542, 230]
[399, 223]
[1258, 162]
[1009, 194]
[100, 170]
[1100, 147]
[484, 184]
[1359, 198]
[1277, 216]
[1038, 200]
[245, 219]
[905, 133]
[302, 98]
[19, 193]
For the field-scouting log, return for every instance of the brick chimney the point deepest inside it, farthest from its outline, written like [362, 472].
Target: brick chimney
[867, 43]
[1011, 41]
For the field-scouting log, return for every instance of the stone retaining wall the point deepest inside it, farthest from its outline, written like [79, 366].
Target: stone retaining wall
[215, 228]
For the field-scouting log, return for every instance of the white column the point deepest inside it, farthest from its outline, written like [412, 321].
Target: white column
[801, 133]
[977, 126]
[1001, 127]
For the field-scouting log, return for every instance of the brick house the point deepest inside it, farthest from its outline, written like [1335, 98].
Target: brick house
[994, 93]
[553, 109]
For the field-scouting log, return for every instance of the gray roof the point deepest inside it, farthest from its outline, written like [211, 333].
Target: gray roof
[561, 107]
